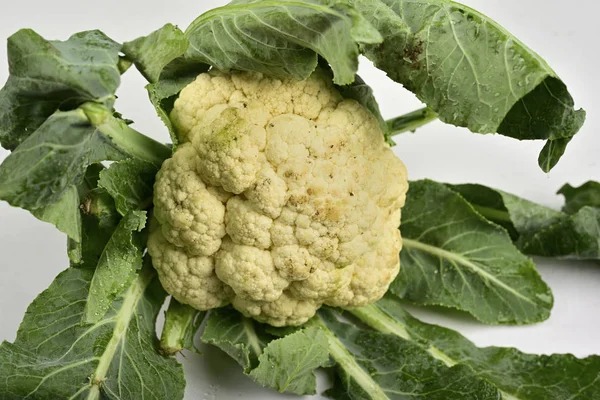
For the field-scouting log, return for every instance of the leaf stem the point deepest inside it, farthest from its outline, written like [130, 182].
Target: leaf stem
[380, 321]
[124, 137]
[492, 214]
[411, 121]
[347, 362]
[373, 316]
[178, 328]
[123, 318]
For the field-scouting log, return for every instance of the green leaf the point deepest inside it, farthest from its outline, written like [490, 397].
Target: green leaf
[152, 53]
[576, 198]
[56, 357]
[49, 162]
[130, 183]
[64, 214]
[46, 76]
[281, 38]
[181, 325]
[517, 375]
[453, 257]
[539, 230]
[472, 72]
[372, 365]
[552, 152]
[240, 337]
[160, 58]
[117, 267]
[288, 364]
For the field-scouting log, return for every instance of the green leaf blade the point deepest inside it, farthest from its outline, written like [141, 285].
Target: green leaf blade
[48, 163]
[152, 53]
[539, 230]
[117, 267]
[54, 356]
[576, 237]
[281, 38]
[472, 72]
[521, 217]
[288, 364]
[377, 366]
[240, 337]
[49, 75]
[518, 375]
[576, 198]
[64, 214]
[130, 182]
[452, 257]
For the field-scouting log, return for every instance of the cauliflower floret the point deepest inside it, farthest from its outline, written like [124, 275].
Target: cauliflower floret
[249, 271]
[201, 287]
[286, 310]
[284, 191]
[191, 215]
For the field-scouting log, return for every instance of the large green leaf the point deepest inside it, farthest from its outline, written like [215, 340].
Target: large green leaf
[49, 162]
[46, 76]
[453, 257]
[117, 267]
[519, 376]
[471, 71]
[372, 365]
[56, 357]
[281, 38]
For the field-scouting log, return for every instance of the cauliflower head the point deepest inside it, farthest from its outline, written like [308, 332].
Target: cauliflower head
[282, 197]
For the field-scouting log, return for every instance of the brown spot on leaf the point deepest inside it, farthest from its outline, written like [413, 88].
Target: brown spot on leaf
[413, 51]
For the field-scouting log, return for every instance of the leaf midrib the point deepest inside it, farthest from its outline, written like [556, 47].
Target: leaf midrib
[123, 319]
[253, 340]
[459, 259]
[386, 323]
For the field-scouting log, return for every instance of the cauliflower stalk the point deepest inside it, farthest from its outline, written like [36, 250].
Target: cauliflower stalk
[282, 197]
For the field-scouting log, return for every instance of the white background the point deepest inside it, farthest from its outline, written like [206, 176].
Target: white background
[32, 253]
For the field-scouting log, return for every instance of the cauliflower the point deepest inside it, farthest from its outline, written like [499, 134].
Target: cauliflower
[282, 197]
